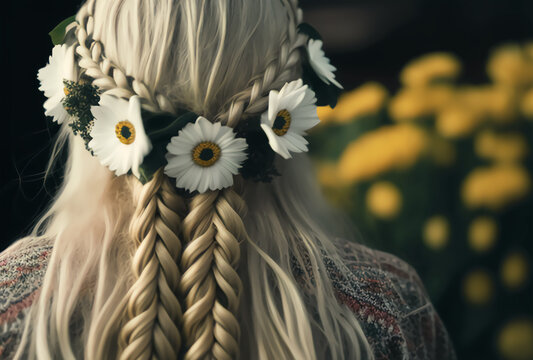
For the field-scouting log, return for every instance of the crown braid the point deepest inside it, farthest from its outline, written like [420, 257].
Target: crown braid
[213, 230]
[107, 76]
[254, 99]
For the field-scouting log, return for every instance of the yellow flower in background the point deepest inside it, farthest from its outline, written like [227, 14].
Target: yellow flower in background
[327, 174]
[430, 67]
[526, 104]
[528, 50]
[502, 104]
[381, 150]
[457, 121]
[366, 99]
[436, 232]
[482, 233]
[412, 103]
[325, 114]
[409, 104]
[384, 200]
[496, 186]
[514, 270]
[508, 147]
[515, 341]
[494, 101]
[474, 96]
[509, 65]
[478, 287]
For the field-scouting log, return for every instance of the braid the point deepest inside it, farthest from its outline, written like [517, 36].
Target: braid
[153, 310]
[213, 230]
[106, 76]
[254, 99]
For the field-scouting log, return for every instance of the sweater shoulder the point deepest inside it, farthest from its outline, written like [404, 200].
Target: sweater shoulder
[22, 268]
[391, 304]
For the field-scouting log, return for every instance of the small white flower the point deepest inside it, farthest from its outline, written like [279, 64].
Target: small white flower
[118, 137]
[320, 63]
[205, 156]
[291, 112]
[60, 67]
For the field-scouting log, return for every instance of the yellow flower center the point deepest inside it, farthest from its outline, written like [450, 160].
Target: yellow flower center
[282, 122]
[206, 153]
[125, 132]
[66, 91]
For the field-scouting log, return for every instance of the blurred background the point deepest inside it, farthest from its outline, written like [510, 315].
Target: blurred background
[429, 149]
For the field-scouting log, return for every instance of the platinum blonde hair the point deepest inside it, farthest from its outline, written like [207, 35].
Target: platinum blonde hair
[138, 271]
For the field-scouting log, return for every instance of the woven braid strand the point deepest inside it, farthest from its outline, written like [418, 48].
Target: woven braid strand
[213, 230]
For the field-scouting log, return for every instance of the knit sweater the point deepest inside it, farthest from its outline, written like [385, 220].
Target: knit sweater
[383, 291]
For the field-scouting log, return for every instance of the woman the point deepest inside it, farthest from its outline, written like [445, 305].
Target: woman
[189, 224]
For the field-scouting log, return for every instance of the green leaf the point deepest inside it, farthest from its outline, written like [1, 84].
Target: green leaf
[326, 94]
[160, 128]
[310, 31]
[152, 162]
[164, 126]
[58, 33]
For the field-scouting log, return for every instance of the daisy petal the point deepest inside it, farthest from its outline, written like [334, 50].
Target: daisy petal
[299, 102]
[125, 153]
[213, 166]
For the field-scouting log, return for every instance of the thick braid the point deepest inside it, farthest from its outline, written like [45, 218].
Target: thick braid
[108, 77]
[254, 99]
[213, 230]
[153, 309]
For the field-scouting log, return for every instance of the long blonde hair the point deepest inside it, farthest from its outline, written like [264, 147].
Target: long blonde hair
[138, 271]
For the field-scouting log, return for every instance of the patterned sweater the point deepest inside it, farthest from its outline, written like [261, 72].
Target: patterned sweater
[384, 292]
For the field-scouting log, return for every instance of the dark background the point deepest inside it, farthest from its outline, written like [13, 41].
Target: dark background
[366, 40]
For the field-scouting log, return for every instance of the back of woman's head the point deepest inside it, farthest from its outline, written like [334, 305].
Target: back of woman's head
[201, 55]
[146, 271]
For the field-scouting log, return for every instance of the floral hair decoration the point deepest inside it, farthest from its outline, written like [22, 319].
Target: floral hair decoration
[199, 154]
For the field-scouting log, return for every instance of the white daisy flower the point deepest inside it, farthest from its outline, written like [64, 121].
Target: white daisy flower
[118, 137]
[60, 67]
[205, 156]
[291, 112]
[320, 63]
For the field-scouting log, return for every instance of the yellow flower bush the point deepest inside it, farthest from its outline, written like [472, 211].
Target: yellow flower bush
[413, 103]
[526, 104]
[514, 270]
[327, 174]
[515, 341]
[457, 121]
[434, 179]
[384, 200]
[509, 65]
[502, 104]
[478, 287]
[496, 186]
[509, 147]
[428, 68]
[325, 114]
[436, 232]
[482, 234]
[367, 99]
[389, 147]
